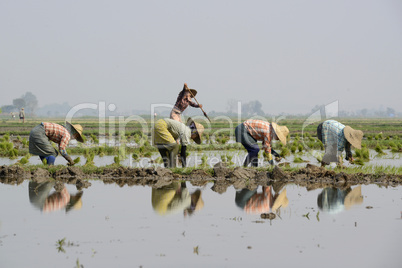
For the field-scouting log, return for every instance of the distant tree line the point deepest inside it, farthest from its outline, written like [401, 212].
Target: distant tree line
[28, 101]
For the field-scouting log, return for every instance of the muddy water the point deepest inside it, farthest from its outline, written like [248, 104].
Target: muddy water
[186, 226]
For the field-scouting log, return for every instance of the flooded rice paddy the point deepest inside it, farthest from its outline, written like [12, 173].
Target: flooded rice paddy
[213, 157]
[51, 224]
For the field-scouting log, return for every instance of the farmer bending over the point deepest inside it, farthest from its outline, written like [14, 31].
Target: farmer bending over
[183, 101]
[251, 131]
[337, 137]
[41, 135]
[168, 131]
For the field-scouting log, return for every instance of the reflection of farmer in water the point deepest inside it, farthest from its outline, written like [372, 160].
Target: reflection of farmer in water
[254, 202]
[175, 198]
[333, 200]
[40, 198]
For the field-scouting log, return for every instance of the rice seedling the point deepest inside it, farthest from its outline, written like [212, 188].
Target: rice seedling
[369, 137]
[60, 244]
[90, 159]
[378, 149]
[358, 161]
[23, 161]
[300, 148]
[116, 160]
[204, 160]
[298, 160]
[362, 155]
[293, 148]
[25, 142]
[285, 152]
[77, 160]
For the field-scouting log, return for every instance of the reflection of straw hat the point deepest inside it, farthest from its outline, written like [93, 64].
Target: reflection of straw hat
[193, 92]
[196, 200]
[78, 129]
[75, 202]
[353, 136]
[280, 131]
[198, 127]
[281, 201]
[354, 197]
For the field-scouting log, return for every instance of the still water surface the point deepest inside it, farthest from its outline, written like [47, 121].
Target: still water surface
[112, 226]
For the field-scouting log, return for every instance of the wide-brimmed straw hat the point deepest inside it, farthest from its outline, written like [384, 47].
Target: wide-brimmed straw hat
[353, 136]
[193, 92]
[280, 131]
[77, 128]
[199, 129]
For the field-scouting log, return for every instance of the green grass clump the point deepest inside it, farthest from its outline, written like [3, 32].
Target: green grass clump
[23, 161]
[204, 159]
[90, 159]
[358, 161]
[77, 160]
[116, 160]
[362, 155]
[378, 149]
[300, 148]
[285, 152]
[298, 160]
[293, 148]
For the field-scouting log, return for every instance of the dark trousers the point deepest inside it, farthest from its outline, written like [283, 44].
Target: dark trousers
[168, 153]
[244, 137]
[319, 132]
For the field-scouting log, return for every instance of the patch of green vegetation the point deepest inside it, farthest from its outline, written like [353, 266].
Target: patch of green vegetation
[298, 160]
[285, 152]
[378, 149]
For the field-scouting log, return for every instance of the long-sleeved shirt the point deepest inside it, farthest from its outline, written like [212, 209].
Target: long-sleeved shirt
[261, 131]
[168, 131]
[332, 133]
[183, 101]
[58, 134]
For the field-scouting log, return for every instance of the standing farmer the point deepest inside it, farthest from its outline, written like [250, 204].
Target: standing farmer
[251, 131]
[168, 131]
[182, 102]
[22, 115]
[337, 137]
[41, 135]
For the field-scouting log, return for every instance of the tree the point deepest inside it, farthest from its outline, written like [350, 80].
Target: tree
[31, 103]
[19, 103]
[27, 101]
[8, 108]
[252, 108]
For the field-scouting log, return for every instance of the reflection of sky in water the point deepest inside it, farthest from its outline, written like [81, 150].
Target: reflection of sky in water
[118, 226]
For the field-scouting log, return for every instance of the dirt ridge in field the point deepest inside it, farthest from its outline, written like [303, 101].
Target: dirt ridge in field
[311, 177]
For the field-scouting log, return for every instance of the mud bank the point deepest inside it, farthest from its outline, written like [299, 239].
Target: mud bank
[311, 177]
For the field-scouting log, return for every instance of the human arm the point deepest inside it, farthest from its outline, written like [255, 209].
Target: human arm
[348, 150]
[62, 148]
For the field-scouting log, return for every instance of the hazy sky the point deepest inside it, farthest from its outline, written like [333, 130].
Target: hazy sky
[289, 55]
